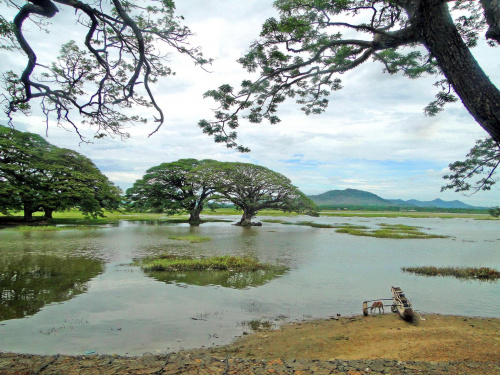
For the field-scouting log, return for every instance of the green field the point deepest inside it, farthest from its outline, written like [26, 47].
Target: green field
[76, 218]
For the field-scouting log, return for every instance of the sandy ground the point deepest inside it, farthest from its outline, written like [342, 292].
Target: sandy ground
[435, 338]
[432, 344]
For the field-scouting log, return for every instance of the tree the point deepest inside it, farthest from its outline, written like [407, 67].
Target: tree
[303, 53]
[173, 188]
[481, 162]
[40, 176]
[121, 53]
[253, 188]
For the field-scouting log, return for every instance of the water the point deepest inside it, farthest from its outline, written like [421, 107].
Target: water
[90, 298]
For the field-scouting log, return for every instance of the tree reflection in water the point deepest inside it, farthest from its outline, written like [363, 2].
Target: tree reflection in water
[29, 282]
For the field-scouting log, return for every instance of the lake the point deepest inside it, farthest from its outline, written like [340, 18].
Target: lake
[77, 292]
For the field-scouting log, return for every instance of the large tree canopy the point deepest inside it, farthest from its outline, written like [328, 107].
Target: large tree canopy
[303, 53]
[35, 175]
[253, 188]
[172, 188]
[122, 50]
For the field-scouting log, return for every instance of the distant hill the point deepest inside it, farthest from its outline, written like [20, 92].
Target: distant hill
[439, 203]
[353, 197]
[350, 197]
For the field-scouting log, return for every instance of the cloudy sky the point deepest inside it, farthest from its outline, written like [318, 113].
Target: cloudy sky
[373, 136]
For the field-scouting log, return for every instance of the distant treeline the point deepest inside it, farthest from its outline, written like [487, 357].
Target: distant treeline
[323, 207]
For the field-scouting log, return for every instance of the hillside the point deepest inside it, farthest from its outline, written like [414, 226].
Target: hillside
[353, 197]
[350, 197]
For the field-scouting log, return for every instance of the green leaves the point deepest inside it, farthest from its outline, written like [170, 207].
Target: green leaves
[40, 176]
[481, 162]
[172, 188]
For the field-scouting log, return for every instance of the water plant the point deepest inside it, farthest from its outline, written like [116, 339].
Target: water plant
[483, 273]
[397, 231]
[173, 263]
[190, 238]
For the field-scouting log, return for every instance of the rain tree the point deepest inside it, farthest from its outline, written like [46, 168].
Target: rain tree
[41, 177]
[481, 164]
[304, 52]
[253, 188]
[173, 188]
[123, 49]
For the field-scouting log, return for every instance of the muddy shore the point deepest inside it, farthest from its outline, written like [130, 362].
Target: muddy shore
[432, 344]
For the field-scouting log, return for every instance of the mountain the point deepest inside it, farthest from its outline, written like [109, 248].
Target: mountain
[350, 197]
[439, 203]
[353, 197]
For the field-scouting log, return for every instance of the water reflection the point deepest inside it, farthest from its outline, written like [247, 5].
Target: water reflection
[227, 279]
[29, 282]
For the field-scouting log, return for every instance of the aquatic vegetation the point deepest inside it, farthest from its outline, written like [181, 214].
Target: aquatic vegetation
[398, 231]
[259, 325]
[484, 273]
[171, 263]
[226, 271]
[190, 238]
[38, 228]
[50, 228]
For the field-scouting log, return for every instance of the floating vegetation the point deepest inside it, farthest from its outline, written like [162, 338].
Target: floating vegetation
[483, 273]
[169, 262]
[226, 271]
[192, 239]
[397, 231]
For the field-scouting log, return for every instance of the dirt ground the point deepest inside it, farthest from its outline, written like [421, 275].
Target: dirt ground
[432, 344]
[435, 338]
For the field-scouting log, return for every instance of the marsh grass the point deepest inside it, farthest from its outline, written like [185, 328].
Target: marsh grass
[483, 273]
[398, 231]
[259, 325]
[190, 238]
[174, 263]
[50, 228]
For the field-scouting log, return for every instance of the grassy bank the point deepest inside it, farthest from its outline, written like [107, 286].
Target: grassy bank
[483, 273]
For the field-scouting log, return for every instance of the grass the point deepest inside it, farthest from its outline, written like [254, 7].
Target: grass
[257, 325]
[398, 231]
[174, 263]
[50, 228]
[483, 273]
[190, 238]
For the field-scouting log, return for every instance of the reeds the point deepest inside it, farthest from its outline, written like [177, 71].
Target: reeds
[484, 273]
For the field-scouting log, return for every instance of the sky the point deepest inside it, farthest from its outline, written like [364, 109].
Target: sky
[373, 136]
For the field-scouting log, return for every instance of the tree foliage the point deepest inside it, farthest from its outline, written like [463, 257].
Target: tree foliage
[188, 185]
[172, 188]
[303, 54]
[481, 163]
[253, 188]
[122, 51]
[40, 176]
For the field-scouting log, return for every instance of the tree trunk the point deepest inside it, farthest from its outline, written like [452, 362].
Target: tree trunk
[48, 212]
[28, 214]
[246, 219]
[194, 216]
[478, 94]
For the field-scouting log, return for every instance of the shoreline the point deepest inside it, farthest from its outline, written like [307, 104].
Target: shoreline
[376, 344]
